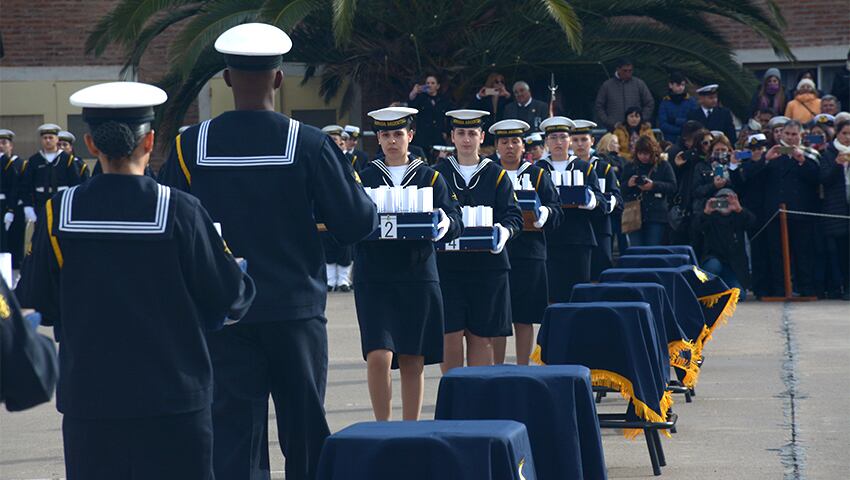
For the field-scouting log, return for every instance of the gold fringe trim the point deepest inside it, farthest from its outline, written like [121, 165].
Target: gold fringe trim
[690, 367]
[728, 310]
[615, 381]
[700, 274]
[535, 356]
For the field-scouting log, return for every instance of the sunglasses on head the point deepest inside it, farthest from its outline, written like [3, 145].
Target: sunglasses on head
[705, 142]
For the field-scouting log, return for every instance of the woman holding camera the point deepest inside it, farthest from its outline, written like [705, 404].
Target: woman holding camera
[714, 173]
[431, 126]
[651, 180]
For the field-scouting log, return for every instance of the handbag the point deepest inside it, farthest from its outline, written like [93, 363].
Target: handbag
[632, 216]
[678, 214]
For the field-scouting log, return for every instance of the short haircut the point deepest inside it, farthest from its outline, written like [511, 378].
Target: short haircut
[793, 124]
[833, 98]
[520, 83]
[623, 61]
[677, 77]
[840, 125]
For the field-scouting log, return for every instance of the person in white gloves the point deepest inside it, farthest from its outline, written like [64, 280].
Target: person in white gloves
[475, 285]
[529, 284]
[569, 246]
[601, 257]
[398, 300]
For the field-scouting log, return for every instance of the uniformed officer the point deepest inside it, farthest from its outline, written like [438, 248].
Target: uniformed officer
[358, 158]
[135, 383]
[8, 190]
[535, 149]
[28, 366]
[339, 256]
[711, 115]
[475, 285]
[47, 172]
[774, 129]
[527, 252]
[262, 175]
[570, 245]
[66, 144]
[399, 305]
[581, 139]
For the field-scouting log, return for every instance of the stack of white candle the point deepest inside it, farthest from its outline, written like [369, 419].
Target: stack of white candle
[523, 182]
[402, 199]
[480, 216]
[569, 178]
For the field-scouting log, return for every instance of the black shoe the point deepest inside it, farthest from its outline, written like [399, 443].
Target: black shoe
[331, 289]
[343, 288]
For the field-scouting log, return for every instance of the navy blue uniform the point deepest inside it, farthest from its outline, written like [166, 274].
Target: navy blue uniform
[527, 252]
[602, 257]
[41, 179]
[8, 199]
[719, 118]
[262, 175]
[399, 305]
[135, 381]
[569, 246]
[358, 158]
[15, 235]
[98, 170]
[475, 285]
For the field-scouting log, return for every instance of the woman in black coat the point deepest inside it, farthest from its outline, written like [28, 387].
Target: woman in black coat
[651, 179]
[835, 177]
[431, 127]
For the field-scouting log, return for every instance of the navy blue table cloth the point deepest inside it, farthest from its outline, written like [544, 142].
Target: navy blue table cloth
[444, 449]
[664, 249]
[653, 261]
[618, 342]
[554, 402]
[670, 334]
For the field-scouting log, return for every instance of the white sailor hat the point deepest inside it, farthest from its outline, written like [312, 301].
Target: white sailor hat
[253, 46]
[392, 118]
[509, 128]
[753, 124]
[823, 119]
[556, 124]
[332, 129]
[49, 129]
[126, 102]
[67, 136]
[534, 139]
[756, 140]
[717, 134]
[708, 89]
[443, 148]
[467, 118]
[7, 134]
[352, 131]
[778, 121]
[583, 126]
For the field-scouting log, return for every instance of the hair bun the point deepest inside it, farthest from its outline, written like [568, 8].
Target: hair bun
[116, 140]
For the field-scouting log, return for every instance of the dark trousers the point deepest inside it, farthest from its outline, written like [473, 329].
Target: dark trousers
[601, 257]
[336, 253]
[287, 359]
[838, 254]
[650, 234]
[567, 266]
[801, 240]
[13, 241]
[760, 262]
[175, 447]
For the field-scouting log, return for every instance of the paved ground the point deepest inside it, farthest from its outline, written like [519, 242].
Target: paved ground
[771, 402]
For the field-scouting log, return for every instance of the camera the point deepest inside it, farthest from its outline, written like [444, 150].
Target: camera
[719, 170]
[720, 203]
[814, 139]
[744, 155]
[426, 88]
[641, 180]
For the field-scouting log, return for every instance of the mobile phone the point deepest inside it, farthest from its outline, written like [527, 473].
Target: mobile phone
[783, 150]
[814, 139]
[718, 171]
[744, 155]
[721, 203]
[491, 91]
[426, 88]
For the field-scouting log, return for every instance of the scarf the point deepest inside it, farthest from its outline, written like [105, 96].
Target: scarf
[844, 150]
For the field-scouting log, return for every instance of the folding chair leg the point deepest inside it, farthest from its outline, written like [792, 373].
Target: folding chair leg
[659, 449]
[688, 396]
[599, 396]
[653, 455]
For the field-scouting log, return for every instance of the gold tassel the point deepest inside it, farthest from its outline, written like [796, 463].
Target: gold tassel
[536, 356]
[727, 312]
[700, 274]
[690, 367]
[615, 381]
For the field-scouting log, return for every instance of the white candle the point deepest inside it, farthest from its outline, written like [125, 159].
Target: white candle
[578, 178]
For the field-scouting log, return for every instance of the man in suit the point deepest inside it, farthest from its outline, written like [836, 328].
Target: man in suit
[711, 115]
[525, 108]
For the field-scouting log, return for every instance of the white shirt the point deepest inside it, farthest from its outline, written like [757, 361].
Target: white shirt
[512, 174]
[466, 171]
[706, 111]
[397, 173]
[526, 103]
[560, 165]
[50, 157]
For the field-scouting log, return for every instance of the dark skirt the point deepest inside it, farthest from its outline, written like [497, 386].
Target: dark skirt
[566, 268]
[404, 318]
[529, 290]
[477, 301]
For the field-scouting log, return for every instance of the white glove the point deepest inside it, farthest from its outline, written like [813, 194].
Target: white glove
[8, 219]
[612, 204]
[504, 235]
[542, 216]
[229, 321]
[29, 214]
[442, 225]
[590, 205]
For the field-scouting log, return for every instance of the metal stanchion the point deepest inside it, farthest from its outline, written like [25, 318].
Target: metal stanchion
[786, 262]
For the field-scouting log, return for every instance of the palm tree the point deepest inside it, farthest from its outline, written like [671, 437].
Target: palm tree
[385, 45]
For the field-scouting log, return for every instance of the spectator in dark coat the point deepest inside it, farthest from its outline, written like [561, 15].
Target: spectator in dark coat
[617, 94]
[841, 85]
[431, 119]
[692, 149]
[525, 108]
[648, 178]
[711, 115]
[713, 174]
[723, 224]
[835, 177]
[674, 108]
[771, 94]
[752, 194]
[492, 97]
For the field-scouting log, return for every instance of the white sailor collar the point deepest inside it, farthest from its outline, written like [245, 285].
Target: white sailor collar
[483, 162]
[412, 166]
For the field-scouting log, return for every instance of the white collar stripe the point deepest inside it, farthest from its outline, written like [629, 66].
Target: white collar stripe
[287, 158]
[157, 226]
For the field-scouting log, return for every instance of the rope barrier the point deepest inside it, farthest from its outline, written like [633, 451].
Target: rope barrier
[797, 212]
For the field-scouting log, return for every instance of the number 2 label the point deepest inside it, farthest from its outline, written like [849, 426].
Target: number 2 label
[389, 226]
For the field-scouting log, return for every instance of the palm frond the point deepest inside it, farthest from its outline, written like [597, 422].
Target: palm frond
[152, 31]
[343, 19]
[123, 24]
[287, 14]
[567, 19]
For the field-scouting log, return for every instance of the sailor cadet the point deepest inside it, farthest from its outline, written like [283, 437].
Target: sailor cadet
[262, 175]
[581, 139]
[8, 192]
[529, 285]
[442, 151]
[535, 149]
[135, 377]
[711, 115]
[398, 299]
[66, 144]
[358, 158]
[774, 129]
[339, 257]
[569, 246]
[475, 285]
[45, 173]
